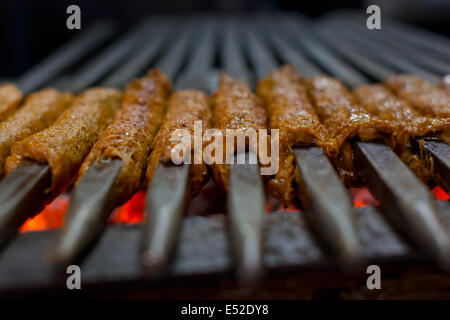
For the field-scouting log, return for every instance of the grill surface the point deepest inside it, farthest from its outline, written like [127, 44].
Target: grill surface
[204, 246]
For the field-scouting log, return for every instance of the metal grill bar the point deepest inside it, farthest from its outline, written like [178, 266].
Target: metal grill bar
[390, 56]
[370, 158]
[135, 65]
[417, 55]
[323, 195]
[373, 68]
[420, 205]
[109, 58]
[63, 58]
[232, 59]
[318, 52]
[292, 56]
[354, 54]
[262, 61]
[417, 37]
[166, 198]
[14, 215]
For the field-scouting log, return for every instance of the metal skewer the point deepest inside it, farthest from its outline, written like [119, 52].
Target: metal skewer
[402, 191]
[166, 196]
[325, 198]
[439, 151]
[91, 203]
[246, 199]
[26, 187]
[12, 216]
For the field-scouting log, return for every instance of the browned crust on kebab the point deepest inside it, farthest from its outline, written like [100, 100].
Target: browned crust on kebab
[345, 119]
[130, 135]
[64, 144]
[427, 98]
[10, 97]
[39, 111]
[291, 112]
[235, 107]
[184, 108]
[406, 123]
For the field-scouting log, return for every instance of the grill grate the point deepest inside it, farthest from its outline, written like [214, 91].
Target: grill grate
[186, 50]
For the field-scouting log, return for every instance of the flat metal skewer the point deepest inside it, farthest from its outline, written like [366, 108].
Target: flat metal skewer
[401, 194]
[167, 195]
[90, 206]
[438, 151]
[12, 215]
[327, 202]
[246, 203]
[91, 203]
[246, 198]
[22, 197]
[166, 204]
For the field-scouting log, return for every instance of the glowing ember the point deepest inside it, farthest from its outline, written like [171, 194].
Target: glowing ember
[130, 212]
[52, 217]
[440, 193]
[363, 198]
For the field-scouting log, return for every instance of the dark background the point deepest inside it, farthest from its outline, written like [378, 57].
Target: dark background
[31, 29]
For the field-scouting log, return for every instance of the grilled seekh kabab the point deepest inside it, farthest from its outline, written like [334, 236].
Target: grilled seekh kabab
[291, 112]
[184, 109]
[235, 107]
[39, 111]
[427, 98]
[64, 144]
[130, 136]
[344, 119]
[407, 123]
[10, 97]
[114, 168]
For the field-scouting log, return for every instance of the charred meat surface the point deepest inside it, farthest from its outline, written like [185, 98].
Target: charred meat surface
[427, 98]
[235, 107]
[10, 97]
[184, 109]
[38, 112]
[64, 144]
[291, 112]
[345, 119]
[406, 123]
[130, 135]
